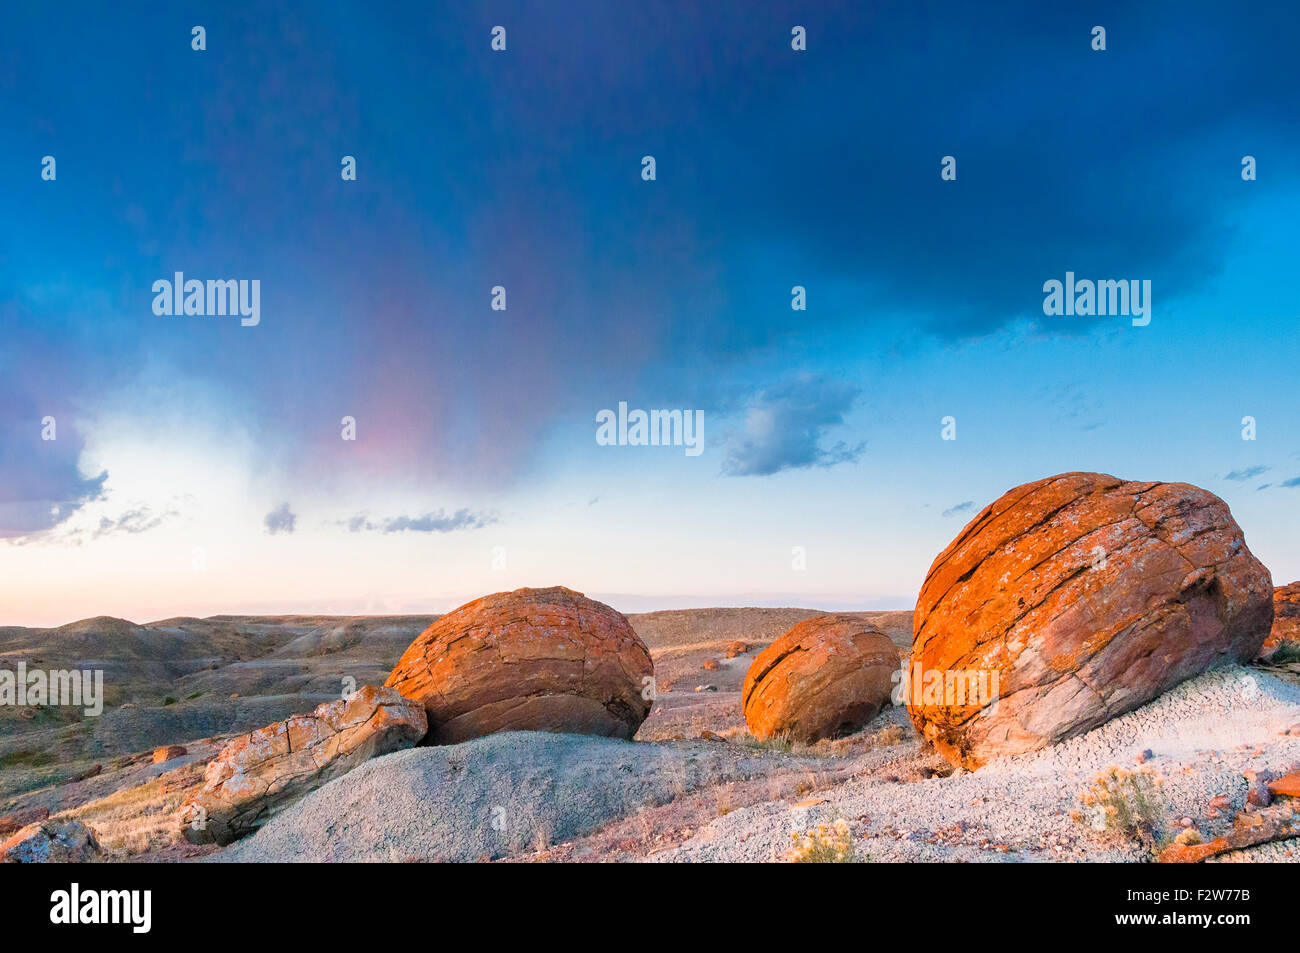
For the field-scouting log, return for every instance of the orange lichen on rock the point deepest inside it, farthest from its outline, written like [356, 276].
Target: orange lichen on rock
[260, 772]
[528, 660]
[1249, 828]
[826, 676]
[167, 752]
[1087, 596]
[1286, 786]
[1286, 622]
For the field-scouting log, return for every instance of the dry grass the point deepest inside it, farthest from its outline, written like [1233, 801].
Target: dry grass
[858, 743]
[726, 799]
[140, 819]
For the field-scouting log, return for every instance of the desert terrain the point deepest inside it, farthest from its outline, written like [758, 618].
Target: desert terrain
[693, 785]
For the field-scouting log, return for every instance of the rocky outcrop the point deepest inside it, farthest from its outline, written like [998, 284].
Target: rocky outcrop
[167, 752]
[1286, 786]
[1085, 596]
[16, 821]
[259, 773]
[1285, 633]
[1259, 826]
[51, 842]
[528, 660]
[827, 676]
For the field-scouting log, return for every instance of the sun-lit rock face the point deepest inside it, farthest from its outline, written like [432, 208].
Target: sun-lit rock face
[1285, 633]
[259, 773]
[827, 676]
[1085, 596]
[528, 660]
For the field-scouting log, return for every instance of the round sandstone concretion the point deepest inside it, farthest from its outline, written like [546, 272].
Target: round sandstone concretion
[528, 660]
[1083, 596]
[1285, 635]
[825, 678]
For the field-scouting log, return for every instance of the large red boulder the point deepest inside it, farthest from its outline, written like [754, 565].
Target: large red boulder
[1286, 623]
[528, 660]
[1084, 596]
[825, 677]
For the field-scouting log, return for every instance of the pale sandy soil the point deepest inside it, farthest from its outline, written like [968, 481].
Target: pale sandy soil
[739, 801]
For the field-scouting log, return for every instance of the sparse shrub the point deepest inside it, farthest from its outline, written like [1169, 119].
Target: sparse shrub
[824, 845]
[1287, 653]
[27, 757]
[1127, 803]
[887, 737]
[726, 802]
[775, 743]
[541, 839]
[168, 701]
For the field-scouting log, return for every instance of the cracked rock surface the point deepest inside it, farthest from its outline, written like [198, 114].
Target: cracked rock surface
[1088, 595]
[1286, 621]
[261, 772]
[529, 660]
[827, 676]
[61, 841]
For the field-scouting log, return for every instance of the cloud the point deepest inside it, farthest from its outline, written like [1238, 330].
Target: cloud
[438, 521]
[77, 532]
[1034, 197]
[785, 425]
[1247, 473]
[42, 484]
[1294, 481]
[963, 507]
[281, 520]
[138, 520]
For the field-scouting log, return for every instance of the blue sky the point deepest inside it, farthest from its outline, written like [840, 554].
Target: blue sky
[198, 465]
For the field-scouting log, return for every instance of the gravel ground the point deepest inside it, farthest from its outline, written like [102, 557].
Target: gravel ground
[1202, 735]
[513, 794]
[492, 797]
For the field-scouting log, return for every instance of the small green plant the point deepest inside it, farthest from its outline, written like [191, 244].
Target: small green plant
[1127, 803]
[168, 701]
[28, 758]
[824, 845]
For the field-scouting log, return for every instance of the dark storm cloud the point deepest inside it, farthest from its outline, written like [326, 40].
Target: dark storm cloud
[774, 169]
[40, 482]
